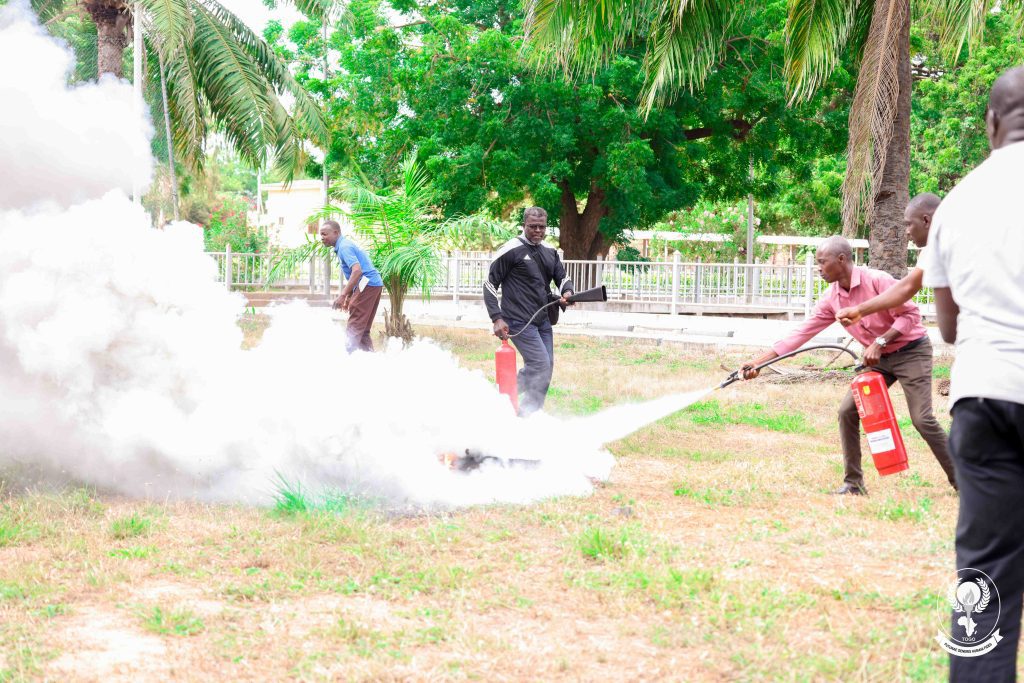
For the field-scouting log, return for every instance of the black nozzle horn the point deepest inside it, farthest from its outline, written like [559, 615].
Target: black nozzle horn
[595, 294]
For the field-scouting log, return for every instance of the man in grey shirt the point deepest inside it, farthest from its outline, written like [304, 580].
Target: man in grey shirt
[977, 270]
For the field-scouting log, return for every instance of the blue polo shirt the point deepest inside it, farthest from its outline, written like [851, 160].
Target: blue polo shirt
[350, 254]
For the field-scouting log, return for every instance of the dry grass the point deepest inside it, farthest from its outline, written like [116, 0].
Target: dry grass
[714, 553]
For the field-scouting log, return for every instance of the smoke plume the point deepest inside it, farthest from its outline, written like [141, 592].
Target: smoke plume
[120, 358]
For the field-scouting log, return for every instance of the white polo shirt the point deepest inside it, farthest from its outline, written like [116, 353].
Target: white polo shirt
[977, 251]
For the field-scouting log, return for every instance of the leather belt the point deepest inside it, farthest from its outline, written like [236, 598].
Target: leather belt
[917, 342]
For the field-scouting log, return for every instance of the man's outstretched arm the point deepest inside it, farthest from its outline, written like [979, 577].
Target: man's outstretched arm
[894, 297]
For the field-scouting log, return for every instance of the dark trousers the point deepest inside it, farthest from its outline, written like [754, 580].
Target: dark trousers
[361, 311]
[537, 347]
[987, 440]
[913, 369]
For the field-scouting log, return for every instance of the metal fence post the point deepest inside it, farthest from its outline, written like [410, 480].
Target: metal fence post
[698, 272]
[675, 283]
[227, 267]
[755, 285]
[312, 274]
[808, 284]
[458, 278]
[327, 275]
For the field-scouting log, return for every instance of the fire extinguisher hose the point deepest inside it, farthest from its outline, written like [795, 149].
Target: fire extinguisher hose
[734, 376]
[598, 293]
[533, 317]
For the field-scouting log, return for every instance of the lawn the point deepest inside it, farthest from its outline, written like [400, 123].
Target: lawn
[713, 553]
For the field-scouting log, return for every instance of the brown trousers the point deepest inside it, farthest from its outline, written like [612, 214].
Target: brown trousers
[361, 311]
[913, 369]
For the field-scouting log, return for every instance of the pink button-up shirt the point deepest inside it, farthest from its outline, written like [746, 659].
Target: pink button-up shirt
[865, 284]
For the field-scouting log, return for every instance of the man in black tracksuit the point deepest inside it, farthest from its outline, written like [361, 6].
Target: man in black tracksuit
[524, 269]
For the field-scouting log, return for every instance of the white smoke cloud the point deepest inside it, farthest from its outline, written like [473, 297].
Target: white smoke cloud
[59, 144]
[120, 359]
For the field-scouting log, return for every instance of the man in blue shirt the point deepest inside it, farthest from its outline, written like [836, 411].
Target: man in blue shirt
[363, 286]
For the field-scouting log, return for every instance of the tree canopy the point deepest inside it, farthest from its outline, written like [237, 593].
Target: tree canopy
[496, 131]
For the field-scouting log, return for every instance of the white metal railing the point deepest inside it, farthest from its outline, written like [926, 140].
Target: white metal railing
[674, 283]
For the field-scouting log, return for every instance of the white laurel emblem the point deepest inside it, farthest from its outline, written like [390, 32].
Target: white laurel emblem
[970, 598]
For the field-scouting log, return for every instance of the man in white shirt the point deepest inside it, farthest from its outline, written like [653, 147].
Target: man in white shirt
[977, 270]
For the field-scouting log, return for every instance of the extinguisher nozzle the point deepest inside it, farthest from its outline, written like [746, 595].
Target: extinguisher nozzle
[590, 295]
[733, 377]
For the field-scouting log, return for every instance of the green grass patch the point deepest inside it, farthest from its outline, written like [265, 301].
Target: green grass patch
[893, 510]
[713, 413]
[53, 610]
[130, 526]
[292, 499]
[18, 520]
[574, 402]
[172, 622]
[913, 480]
[940, 372]
[598, 543]
[10, 531]
[11, 591]
[82, 501]
[136, 552]
[712, 497]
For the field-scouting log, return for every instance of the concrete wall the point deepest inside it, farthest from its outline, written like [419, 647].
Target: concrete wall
[286, 211]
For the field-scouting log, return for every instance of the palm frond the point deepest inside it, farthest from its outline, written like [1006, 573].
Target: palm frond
[187, 110]
[583, 34]
[170, 23]
[305, 111]
[396, 223]
[873, 111]
[816, 33]
[686, 42]
[287, 262]
[479, 231]
[315, 9]
[289, 152]
[962, 22]
[233, 86]
[416, 264]
[681, 41]
[48, 9]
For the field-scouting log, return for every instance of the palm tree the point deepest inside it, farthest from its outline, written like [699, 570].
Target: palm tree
[683, 41]
[401, 229]
[876, 187]
[219, 75]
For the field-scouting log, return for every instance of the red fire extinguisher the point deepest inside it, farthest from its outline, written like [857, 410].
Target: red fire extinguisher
[876, 414]
[505, 372]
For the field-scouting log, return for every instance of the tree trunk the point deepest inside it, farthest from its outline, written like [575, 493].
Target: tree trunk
[395, 322]
[170, 138]
[111, 18]
[578, 233]
[888, 237]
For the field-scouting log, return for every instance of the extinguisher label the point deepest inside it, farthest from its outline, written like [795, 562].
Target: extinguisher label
[881, 442]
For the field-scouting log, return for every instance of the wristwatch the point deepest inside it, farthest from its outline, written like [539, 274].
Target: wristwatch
[881, 341]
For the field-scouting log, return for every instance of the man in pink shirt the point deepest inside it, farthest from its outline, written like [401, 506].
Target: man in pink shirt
[895, 344]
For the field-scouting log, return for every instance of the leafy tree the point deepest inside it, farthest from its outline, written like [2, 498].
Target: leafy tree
[497, 132]
[948, 117]
[226, 225]
[679, 40]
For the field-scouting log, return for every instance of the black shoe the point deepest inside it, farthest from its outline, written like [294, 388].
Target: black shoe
[851, 490]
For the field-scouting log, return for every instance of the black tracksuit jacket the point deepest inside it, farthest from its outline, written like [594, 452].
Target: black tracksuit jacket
[524, 273]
